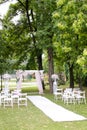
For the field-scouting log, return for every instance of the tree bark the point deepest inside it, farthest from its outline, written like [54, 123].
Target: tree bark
[80, 82]
[40, 66]
[50, 67]
[71, 76]
[39, 59]
[1, 82]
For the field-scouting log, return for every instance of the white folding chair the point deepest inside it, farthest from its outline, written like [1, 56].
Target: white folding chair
[58, 94]
[8, 101]
[22, 100]
[2, 97]
[68, 97]
[15, 98]
[80, 97]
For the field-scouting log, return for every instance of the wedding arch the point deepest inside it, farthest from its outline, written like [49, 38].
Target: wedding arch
[38, 76]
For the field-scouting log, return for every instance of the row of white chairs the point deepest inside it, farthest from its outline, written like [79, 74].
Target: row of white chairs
[9, 99]
[70, 95]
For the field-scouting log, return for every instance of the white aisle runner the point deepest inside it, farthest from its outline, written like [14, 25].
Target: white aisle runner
[54, 111]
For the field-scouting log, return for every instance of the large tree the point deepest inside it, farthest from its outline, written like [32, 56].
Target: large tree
[45, 33]
[4, 62]
[70, 31]
[32, 33]
[23, 32]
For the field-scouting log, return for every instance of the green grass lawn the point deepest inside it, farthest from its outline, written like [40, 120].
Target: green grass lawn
[31, 118]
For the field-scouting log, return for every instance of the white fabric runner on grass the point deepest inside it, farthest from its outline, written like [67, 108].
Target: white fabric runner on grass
[54, 111]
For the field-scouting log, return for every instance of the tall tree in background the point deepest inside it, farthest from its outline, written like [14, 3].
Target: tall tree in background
[43, 11]
[70, 31]
[25, 28]
[23, 37]
[45, 32]
[4, 63]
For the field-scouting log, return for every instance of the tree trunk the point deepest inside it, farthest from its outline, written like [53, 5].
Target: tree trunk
[40, 66]
[50, 67]
[71, 76]
[39, 59]
[80, 82]
[1, 82]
